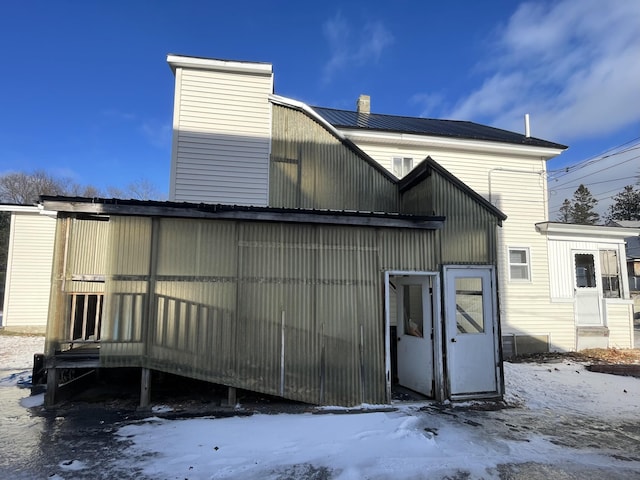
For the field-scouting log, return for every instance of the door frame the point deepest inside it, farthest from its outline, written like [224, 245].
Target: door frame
[438, 362]
[497, 336]
[596, 290]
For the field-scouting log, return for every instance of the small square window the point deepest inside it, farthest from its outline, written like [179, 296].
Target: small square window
[519, 264]
[401, 166]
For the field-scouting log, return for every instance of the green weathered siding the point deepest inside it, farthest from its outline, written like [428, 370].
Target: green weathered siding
[311, 168]
[470, 229]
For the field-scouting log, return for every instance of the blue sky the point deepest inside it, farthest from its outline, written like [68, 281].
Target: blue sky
[87, 93]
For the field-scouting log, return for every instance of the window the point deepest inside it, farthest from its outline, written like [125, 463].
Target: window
[519, 265]
[610, 274]
[402, 166]
[585, 270]
[86, 316]
[469, 307]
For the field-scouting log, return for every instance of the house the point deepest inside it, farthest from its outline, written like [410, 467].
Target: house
[320, 255]
[28, 277]
[226, 133]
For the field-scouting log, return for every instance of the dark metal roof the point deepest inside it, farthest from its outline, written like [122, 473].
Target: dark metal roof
[152, 208]
[428, 126]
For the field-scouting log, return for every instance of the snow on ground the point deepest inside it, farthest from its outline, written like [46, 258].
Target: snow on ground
[16, 357]
[569, 388]
[406, 443]
[16, 351]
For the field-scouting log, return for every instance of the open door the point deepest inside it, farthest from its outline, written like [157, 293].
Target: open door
[471, 332]
[414, 319]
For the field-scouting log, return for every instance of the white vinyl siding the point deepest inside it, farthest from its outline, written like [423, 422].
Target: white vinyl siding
[222, 137]
[28, 283]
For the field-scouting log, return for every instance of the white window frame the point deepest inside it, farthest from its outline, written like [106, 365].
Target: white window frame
[618, 274]
[405, 163]
[527, 263]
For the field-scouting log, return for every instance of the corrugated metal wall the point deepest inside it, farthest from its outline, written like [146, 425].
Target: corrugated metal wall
[286, 309]
[127, 288]
[469, 233]
[310, 168]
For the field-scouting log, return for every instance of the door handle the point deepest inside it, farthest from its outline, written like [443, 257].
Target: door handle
[453, 340]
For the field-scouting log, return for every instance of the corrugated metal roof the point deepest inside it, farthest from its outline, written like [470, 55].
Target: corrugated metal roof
[428, 126]
[153, 208]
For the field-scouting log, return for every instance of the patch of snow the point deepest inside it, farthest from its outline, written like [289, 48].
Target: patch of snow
[570, 388]
[33, 401]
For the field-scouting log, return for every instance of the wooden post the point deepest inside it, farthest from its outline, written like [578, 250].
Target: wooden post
[232, 397]
[145, 388]
[53, 375]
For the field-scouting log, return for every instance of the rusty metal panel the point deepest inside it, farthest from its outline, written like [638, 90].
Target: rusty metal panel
[311, 168]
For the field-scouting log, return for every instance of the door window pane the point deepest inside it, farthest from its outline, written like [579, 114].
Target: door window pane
[469, 308]
[413, 314]
[585, 270]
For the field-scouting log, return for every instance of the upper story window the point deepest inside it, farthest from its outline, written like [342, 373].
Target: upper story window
[401, 166]
[610, 273]
[519, 265]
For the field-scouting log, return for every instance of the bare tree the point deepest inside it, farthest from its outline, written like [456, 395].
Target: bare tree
[25, 188]
[141, 189]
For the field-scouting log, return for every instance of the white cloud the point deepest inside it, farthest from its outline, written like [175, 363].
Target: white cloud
[351, 47]
[429, 102]
[574, 66]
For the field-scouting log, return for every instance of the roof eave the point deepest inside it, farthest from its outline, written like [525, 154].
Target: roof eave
[202, 63]
[574, 229]
[103, 207]
[432, 141]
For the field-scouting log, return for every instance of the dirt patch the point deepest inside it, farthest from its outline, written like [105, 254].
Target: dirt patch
[596, 356]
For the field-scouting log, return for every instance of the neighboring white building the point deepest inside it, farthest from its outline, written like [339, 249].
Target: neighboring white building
[29, 261]
[228, 104]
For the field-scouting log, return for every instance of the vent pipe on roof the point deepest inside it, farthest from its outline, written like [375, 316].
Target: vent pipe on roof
[527, 127]
[364, 104]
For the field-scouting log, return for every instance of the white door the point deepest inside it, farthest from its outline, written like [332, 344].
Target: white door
[587, 309]
[414, 343]
[470, 331]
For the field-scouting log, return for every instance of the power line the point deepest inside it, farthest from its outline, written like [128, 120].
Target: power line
[602, 156]
[597, 171]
